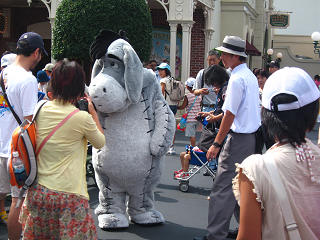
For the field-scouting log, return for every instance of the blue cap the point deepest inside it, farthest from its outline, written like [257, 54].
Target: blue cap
[42, 76]
[164, 66]
[34, 41]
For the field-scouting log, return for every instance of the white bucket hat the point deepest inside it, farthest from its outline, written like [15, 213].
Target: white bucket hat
[233, 45]
[190, 82]
[290, 80]
[8, 59]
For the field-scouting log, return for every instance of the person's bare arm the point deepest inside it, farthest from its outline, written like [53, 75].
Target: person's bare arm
[94, 114]
[250, 211]
[203, 91]
[163, 88]
[226, 123]
[184, 104]
[215, 118]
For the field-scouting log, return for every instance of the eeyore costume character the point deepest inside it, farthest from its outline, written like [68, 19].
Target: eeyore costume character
[139, 127]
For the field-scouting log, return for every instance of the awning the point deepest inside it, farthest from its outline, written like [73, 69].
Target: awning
[252, 50]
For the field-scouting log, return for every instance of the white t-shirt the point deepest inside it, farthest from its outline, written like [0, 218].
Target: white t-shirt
[242, 100]
[22, 91]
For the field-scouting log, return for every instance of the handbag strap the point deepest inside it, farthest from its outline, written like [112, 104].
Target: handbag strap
[192, 105]
[7, 100]
[282, 196]
[55, 129]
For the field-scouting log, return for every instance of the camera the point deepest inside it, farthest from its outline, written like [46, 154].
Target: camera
[83, 104]
[201, 119]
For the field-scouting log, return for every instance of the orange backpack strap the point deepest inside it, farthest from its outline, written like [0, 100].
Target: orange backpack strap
[55, 129]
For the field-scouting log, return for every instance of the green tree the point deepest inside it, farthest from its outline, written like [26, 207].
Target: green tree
[79, 21]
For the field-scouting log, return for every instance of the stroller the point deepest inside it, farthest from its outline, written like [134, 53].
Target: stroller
[198, 161]
[89, 168]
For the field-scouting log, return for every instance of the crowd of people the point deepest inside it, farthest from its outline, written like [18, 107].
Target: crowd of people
[243, 109]
[56, 206]
[272, 107]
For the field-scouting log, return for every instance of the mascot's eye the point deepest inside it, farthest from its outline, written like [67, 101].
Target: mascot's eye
[114, 65]
[104, 89]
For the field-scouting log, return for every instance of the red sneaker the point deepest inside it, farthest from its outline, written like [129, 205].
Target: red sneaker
[182, 175]
[179, 171]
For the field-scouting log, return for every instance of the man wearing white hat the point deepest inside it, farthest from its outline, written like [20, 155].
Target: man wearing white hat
[240, 122]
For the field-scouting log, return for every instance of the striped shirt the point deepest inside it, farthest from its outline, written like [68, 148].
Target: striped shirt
[195, 109]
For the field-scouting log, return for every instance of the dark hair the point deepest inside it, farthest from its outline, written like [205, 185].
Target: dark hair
[263, 73]
[24, 49]
[214, 52]
[291, 124]
[274, 64]
[152, 60]
[168, 73]
[316, 77]
[255, 71]
[242, 59]
[67, 81]
[215, 75]
[5, 53]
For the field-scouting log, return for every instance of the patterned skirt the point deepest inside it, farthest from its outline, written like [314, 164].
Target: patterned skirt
[48, 214]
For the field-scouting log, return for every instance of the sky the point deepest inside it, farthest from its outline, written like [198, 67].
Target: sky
[304, 19]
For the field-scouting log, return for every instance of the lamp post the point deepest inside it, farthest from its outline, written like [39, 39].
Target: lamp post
[269, 53]
[315, 36]
[279, 57]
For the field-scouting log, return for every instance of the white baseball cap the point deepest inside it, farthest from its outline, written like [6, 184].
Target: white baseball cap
[164, 66]
[190, 82]
[293, 81]
[8, 59]
[48, 67]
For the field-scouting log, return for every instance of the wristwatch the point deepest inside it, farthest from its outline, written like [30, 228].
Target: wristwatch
[216, 144]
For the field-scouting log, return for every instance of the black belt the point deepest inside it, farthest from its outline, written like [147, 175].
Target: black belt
[230, 131]
[208, 105]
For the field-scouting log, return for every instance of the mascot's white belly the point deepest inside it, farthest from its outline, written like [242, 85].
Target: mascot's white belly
[126, 156]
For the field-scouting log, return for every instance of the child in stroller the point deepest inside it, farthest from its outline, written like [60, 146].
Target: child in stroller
[192, 156]
[217, 77]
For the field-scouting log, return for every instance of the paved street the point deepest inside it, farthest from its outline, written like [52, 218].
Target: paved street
[185, 213]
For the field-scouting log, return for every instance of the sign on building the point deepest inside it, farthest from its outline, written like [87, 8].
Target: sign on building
[279, 20]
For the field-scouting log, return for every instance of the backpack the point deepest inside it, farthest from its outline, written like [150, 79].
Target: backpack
[176, 91]
[24, 143]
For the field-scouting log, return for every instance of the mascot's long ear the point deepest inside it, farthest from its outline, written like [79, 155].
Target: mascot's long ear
[133, 73]
[102, 41]
[98, 65]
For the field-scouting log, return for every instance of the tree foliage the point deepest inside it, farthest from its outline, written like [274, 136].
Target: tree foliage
[79, 21]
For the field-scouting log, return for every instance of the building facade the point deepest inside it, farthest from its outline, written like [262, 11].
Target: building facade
[185, 30]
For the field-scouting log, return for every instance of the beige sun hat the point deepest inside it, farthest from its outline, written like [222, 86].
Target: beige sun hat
[48, 67]
[234, 45]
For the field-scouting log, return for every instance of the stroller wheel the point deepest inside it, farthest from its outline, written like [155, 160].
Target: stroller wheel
[184, 186]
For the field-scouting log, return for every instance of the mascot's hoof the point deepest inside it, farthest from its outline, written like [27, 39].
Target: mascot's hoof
[113, 221]
[148, 218]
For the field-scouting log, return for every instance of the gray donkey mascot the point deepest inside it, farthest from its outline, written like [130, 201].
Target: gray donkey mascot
[139, 128]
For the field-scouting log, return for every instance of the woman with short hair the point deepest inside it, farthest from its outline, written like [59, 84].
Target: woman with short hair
[290, 108]
[56, 207]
